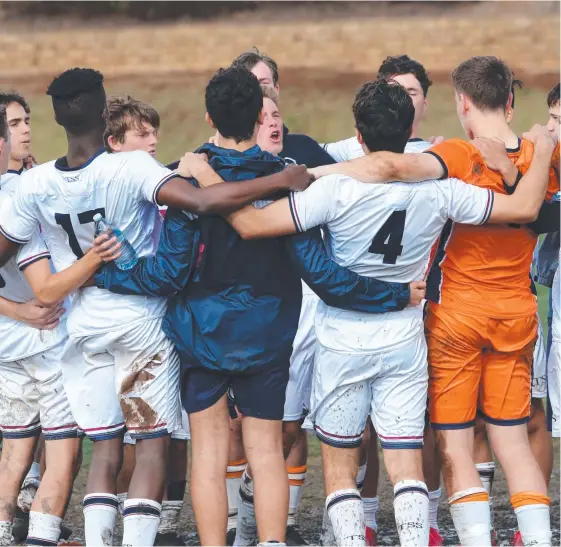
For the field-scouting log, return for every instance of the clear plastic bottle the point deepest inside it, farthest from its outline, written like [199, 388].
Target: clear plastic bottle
[128, 258]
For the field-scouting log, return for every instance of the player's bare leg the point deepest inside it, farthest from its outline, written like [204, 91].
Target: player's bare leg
[343, 502]
[540, 438]
[100, 500]
[411, 500]
[15, 460]
[209, 458]
[237, 464]
[125, 474]
[469, 501]
[369, 488]
[431, 472]
[263, 445]
[526, 482]
[172, 503]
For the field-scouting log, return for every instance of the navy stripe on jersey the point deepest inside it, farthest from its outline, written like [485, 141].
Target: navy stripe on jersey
[12, 238]
[444, 166]
[158, 187]
[489, 208]
[31, 259]
[294, 213]
[434, 279]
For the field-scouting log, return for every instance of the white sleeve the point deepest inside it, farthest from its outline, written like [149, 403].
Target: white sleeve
[345, 150]
[18, 217]
[146, 175]
[312, 207]
[35, 249]
[468, 204]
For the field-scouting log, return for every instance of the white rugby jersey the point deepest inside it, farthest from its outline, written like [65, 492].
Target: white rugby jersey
[19, 340]
[122, 187]
[556, 305]
[384, 231]
[349, 149]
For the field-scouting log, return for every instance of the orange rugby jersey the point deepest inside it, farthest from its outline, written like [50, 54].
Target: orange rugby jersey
[484, 270]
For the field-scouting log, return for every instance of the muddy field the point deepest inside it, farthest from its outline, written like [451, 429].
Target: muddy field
[311, 510]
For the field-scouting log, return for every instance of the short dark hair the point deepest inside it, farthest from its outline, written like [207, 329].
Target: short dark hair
[8, 97]
[515, 84]
[384, 115]
[553, 96]
[486, 80]
[124, 113]
[233, 101]
[248, 59]
[403, 64]
[78, 100]
[3, 123]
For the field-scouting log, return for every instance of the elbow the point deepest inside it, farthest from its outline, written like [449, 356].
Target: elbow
[528, 216]
[47, 298]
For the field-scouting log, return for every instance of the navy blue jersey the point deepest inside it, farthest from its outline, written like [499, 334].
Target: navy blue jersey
[303, 150]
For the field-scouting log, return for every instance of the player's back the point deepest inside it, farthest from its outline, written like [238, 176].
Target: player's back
[64, 201]
[484, 269]
[384, 231]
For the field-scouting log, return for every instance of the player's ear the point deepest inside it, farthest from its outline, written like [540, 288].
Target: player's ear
[208, 120]
[261, 117]
[114, 144]
[359, 137]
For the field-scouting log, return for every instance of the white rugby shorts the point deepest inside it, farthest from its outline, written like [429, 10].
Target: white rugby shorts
[539, 376]
[181, 434]
[128, 378]
[32, 398]
[389, 386]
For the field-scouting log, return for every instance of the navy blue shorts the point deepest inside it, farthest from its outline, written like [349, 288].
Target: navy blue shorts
[256, 392]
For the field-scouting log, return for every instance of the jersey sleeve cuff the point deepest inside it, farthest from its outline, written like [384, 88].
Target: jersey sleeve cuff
[11, 237]
[32, 259]
[444, 166]
[159, 186]
[294, 213]
[99, 278]
[511, 189]
[489, 206]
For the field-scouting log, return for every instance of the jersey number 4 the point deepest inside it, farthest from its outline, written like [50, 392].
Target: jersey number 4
[387, 241]
[65, 221]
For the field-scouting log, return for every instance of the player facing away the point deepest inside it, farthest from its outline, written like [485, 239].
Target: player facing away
[119, 368]
[355, 374]
[492, 344]
[133, 125]
[413, 76]
[236, 313]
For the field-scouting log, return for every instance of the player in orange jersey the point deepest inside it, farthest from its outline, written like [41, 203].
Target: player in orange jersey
[481, 321]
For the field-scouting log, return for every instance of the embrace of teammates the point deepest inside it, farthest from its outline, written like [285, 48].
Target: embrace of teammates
[378, 289]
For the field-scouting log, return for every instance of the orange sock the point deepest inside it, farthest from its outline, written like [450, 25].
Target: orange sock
[297, 475]
[476, 496]
[528, 498]
[236, 468]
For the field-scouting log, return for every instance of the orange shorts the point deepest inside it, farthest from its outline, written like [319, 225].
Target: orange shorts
[477, 363]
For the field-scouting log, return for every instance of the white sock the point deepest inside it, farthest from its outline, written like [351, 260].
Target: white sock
[271, 544]
[327, 537]
[246, 526]
[34, 472]
[233, 481]
[121, 498]
[371, 506]
[29, 488]
[5, 533]
[534, 524]
[347, 517]
[44, 529]
[411, 508]
[296, 480]
[486, 472]
[434, 498]
[141, 518]
[169, 517]
[360, 476]
[100, 513]
[472, 519]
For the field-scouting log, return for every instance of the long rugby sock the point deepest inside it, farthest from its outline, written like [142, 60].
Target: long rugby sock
[411, 508]
[345, 511]
[100, 513]
[486, 472]
[434, 498]
[296, 480]
[360, 477]
[44, 529]
[371, 506]
[169, 517]
[233, 481]
[471, 516]
[327, 536]
[246, 525]
[141, 518]
[5, 533]
[533, 515]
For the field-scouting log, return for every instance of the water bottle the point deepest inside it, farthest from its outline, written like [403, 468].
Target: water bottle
[128, 258]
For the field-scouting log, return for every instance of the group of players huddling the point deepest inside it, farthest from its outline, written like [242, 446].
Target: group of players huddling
[281, 286]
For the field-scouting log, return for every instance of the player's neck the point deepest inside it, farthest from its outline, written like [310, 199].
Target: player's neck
[82, 148]
[231, 144]
[15, 165]
[494, 126]
[415, 131]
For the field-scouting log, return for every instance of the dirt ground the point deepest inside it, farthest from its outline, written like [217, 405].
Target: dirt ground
[311, 510]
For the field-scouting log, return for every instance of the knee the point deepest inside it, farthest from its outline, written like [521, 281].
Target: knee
[404, 465]
[290, 434]
[480, 432]
[538, 421]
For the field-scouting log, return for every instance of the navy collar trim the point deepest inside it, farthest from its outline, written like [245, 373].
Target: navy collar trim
[62, 164]
[517, 149]
[15, 171]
